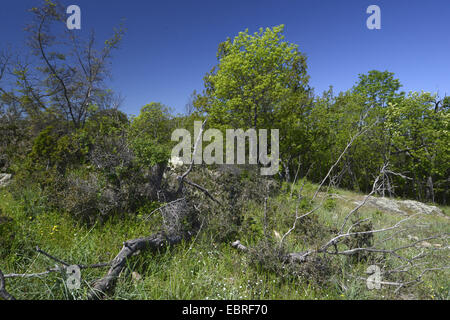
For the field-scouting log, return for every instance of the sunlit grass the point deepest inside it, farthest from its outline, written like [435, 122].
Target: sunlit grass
[200, 270]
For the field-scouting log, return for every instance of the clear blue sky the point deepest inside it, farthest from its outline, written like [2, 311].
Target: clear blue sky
[170, 45]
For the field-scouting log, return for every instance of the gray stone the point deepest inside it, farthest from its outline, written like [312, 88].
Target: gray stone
[419, 207]
[384, 204]
[403, 207]
[5, 179]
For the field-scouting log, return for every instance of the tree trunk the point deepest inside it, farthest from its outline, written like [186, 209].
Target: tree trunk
[430, 188]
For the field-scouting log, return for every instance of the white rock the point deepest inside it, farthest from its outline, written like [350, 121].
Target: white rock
[5, 179]
[175, 162]
[402, 206]
[385, 204]
[420, 207]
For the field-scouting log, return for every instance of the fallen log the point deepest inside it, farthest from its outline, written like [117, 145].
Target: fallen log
[153, 243]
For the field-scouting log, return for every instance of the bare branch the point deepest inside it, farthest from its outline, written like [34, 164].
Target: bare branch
[131, 247]
[3, 293]
[339, 159]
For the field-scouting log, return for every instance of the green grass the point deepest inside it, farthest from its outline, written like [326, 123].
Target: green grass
[201, 268]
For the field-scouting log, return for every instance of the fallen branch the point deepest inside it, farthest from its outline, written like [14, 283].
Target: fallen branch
[349, 144]
[32, 275]
[51, 257]
[58, 268]
[182, 179]
[3, 293]
[239, 246]
[202, 189]
[295, 257]
[154, 243]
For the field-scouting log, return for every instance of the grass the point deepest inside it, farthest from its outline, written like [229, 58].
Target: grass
[202, 269]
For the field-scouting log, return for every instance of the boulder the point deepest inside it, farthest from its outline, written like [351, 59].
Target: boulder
[384, 204]
[420, 207]
[404, 207]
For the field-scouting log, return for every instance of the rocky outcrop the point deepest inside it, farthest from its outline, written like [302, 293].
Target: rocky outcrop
[385, 204]
[404, 207]
[420, 207]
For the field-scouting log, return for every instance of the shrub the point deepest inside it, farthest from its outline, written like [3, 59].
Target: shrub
[360, 241]
[230, 184]
[271, 257]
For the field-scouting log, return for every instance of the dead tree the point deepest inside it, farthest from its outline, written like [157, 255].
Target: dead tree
[132, 247]
[60, 267]
[155, 242]
[336, 245]
[172, 235]
[63, 72]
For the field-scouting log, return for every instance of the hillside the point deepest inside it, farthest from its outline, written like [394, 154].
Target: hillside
[261, 185]
[204, 267]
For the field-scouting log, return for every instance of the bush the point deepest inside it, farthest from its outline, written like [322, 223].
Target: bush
[85, 197]
[271, 257]
[360, 241]
[231, 185]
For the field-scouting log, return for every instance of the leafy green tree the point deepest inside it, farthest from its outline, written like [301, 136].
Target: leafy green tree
[257, 78]
[332, 122]
[421, 148]
[260, 82]
[378, 88]
[150, 134]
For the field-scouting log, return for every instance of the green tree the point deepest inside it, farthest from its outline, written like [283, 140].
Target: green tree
[150, 134]
[257, 76]
[260, 81]
[421, 148]
[378, 88]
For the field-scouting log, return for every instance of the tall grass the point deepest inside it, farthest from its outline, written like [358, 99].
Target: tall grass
[199, 269]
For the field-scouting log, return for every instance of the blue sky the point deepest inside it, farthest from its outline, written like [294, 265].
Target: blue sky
[170, 45]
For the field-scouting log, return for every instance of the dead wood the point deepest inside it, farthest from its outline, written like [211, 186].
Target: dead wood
[153, 243]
